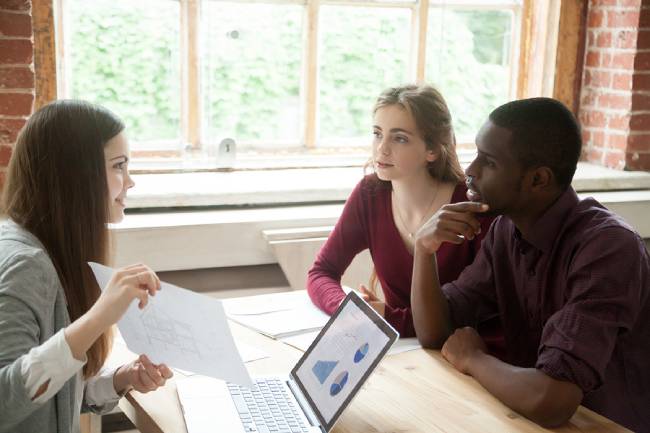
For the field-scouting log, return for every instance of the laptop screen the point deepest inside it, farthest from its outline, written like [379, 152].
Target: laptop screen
[342, 357]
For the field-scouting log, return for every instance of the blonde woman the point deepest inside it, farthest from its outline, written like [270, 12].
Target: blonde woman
[416, 171]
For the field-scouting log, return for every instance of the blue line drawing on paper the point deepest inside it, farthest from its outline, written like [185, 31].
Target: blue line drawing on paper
[322, 370]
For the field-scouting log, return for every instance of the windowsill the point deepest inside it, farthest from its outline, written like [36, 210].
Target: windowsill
[227, 231]
[306, 185]
[206, 162]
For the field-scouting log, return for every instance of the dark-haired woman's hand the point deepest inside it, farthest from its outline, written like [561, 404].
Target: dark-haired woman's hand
[141, 375]
[133, 282]
[129, 283]
[452, 223]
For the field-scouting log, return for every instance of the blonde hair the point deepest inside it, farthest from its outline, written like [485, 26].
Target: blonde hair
[372, 281]
[433, 120]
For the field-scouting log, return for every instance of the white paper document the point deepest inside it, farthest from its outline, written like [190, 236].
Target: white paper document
[303, 341]
[183, 329]
[404, 345]
[250, 353]
[277, 314]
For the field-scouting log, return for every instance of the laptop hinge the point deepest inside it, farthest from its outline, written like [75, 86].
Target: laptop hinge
[302, 401]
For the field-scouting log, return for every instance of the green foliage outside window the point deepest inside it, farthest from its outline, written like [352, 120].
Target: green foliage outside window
[472, 88]
[125, 55]
[362, 52]
[252, 60]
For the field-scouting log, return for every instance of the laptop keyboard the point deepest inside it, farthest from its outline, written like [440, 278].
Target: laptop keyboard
[267, 407]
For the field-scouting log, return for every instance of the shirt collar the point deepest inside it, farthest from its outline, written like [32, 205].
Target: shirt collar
[546, 229]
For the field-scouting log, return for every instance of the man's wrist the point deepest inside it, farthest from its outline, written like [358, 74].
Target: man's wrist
[475, 359]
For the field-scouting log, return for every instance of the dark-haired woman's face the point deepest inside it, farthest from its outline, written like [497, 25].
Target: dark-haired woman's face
[398, 149]
[116, 153]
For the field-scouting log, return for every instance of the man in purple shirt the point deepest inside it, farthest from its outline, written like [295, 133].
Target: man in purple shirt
[569, 279]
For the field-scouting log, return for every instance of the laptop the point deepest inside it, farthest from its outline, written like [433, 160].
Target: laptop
[319, 388]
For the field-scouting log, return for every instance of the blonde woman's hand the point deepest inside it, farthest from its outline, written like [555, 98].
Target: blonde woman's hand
[141, 375]
[372, 299]
[129, 283]
[452, 223]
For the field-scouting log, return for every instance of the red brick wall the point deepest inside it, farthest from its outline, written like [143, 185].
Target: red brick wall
[16, 74]
[615, 97]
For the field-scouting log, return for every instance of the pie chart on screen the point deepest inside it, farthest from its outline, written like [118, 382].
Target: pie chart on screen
[339, 383]
[361, 353]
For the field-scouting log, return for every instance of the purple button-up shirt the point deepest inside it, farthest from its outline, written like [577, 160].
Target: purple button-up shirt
[573, 297]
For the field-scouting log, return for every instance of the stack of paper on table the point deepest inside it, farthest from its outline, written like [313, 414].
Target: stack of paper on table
[303, 341]
[276, 315]
[290, 317]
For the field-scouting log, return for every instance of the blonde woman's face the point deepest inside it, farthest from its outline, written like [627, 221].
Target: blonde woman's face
[398, 149]
[116, 153]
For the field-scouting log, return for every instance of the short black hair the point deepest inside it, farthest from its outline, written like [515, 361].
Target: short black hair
[544, 133]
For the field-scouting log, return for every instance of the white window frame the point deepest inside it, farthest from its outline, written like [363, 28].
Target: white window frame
[191, 110]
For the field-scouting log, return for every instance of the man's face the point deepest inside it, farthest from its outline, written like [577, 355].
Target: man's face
[495, 176]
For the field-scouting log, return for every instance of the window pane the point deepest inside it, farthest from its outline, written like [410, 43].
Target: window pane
[251, 73]
[125, 55]
[468, 59]
[362, 52]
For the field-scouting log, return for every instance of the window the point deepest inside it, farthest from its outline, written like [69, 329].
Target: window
[251, 73]
[470, 57]
[296, 77]
[125, 55]
[362, 50]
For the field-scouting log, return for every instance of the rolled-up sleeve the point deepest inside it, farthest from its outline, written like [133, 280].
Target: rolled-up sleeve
[53, 363]
[605, 284]
[472, 297]
[99, 392]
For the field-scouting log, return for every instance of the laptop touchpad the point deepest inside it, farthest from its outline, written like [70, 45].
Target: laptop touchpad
[208, 406]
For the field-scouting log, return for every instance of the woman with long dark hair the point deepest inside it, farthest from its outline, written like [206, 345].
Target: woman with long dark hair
[67, 179]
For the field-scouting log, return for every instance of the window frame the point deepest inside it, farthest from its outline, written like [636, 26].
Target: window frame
[190, 73]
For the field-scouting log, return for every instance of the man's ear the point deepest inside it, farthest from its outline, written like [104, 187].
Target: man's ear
[542, 178]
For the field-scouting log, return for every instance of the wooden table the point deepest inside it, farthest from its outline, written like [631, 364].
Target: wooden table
[415, 391]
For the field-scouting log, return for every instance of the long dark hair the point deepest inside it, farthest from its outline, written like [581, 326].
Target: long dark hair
[57, 190]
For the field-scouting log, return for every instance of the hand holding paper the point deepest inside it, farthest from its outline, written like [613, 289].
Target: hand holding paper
[182, 329]
[124, 285]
